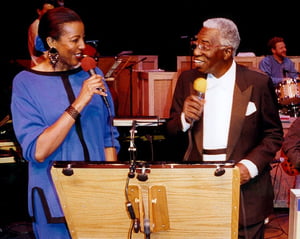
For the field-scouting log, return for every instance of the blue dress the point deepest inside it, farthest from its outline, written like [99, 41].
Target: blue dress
[38, 100]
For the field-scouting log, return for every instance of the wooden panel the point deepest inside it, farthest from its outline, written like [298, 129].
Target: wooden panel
[249, 61]
[296, 60]
[184, 62]
[199, 204]
[258, 59]
[156, 92]
[162, 95]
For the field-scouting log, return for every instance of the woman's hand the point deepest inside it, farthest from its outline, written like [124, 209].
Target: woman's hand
[93, 85]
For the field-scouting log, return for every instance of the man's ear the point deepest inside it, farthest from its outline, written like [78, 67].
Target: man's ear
[228, 51]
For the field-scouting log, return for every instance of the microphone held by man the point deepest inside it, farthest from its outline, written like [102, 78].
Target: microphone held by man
[193, 105]
[200, 86]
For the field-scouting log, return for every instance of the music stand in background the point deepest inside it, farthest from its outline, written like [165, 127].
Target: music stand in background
[120, 63]
[112, 67]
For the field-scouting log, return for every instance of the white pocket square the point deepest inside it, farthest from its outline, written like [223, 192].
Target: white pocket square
[251, 108]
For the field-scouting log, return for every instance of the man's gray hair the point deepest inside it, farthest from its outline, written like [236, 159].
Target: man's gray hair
[228, 31]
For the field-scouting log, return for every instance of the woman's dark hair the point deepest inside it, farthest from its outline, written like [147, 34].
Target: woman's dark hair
[51, 23]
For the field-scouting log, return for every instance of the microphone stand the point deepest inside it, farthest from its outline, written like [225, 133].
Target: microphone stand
[131, 174]
[132, 150]
[141, 177]
[130, 68]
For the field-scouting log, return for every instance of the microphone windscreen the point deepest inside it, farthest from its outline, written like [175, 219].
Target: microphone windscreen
[200, 84]
[88, 63]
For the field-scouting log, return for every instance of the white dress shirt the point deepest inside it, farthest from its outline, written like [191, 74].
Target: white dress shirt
[217, 112]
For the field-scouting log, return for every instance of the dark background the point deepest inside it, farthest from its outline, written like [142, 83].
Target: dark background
[156, 27]
[162, 28]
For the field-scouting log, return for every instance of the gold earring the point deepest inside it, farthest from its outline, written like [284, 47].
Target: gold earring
[53, 56]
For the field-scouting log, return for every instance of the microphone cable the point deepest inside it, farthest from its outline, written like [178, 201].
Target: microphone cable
[242, 205]
[190, 146]
[199, 85]
[111, 120]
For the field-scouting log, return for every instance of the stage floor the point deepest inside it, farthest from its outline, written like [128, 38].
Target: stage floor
[276, 227]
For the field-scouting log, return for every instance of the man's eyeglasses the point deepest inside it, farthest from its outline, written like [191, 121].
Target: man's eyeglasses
[206, 47]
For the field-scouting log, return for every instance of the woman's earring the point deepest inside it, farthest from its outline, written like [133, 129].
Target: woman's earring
[53, 56]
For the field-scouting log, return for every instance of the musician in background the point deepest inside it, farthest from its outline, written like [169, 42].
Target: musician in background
[291, 148]
[36, 53]
[277, 65]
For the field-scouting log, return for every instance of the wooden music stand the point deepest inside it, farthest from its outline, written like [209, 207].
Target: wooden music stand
[184, 200]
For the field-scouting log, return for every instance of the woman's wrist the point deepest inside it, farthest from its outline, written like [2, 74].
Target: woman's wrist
[72, 112]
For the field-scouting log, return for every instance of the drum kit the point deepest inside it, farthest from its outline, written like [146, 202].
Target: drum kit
[288, 94]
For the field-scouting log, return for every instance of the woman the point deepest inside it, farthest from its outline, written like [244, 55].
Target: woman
[59, 114]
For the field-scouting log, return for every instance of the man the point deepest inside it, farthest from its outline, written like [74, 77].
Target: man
[237, 120]
[291, 148]
[277, 65]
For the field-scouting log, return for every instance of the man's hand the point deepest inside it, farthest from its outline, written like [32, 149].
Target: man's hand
[244, 173]
[193, 108]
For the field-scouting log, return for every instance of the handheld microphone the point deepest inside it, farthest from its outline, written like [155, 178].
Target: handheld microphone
[200, 86]
[89, 64]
